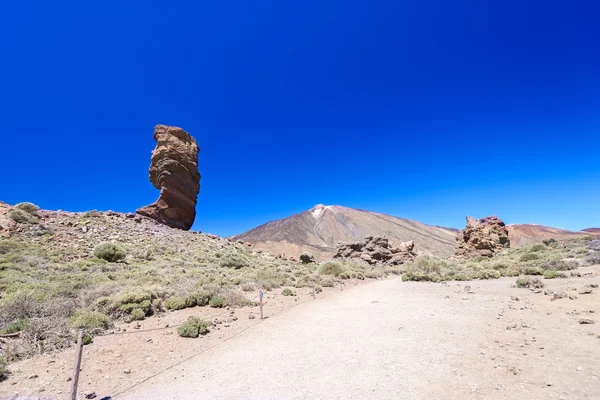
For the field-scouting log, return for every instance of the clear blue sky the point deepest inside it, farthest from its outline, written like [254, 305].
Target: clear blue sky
[429, 110]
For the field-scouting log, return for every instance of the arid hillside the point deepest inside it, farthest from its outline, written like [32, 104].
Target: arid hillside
[523, 234]
[319, 229]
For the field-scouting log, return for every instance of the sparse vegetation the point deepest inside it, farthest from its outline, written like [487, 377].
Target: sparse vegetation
[193, 328]
[110, 252]
[287, 292]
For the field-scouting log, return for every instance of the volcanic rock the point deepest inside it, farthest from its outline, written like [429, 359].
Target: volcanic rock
[374, 249]
[484, 237]
[174, 170]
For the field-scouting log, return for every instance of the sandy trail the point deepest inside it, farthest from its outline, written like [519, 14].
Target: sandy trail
[396, 340]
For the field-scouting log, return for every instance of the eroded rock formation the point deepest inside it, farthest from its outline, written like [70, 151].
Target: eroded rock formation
[374, 249]
[174, 170]
[484, 237]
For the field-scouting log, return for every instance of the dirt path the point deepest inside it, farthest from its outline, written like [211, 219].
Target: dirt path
[395, 340]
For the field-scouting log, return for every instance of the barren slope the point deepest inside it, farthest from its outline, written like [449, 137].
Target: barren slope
[521, 234]
[319, 229]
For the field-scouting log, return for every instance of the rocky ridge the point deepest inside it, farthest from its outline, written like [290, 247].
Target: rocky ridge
[376, 249]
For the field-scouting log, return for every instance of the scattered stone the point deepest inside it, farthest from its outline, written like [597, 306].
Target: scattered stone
[586, 321]
[127, 371]
[174, 170]
[587, 289]
[89, 394]
[33, 377]
[251, 316]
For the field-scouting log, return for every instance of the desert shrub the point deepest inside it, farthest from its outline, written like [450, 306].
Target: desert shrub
[537, 247]
[559, 265]
[126, 302]
[307, 258]
[90, 320]
[269, 285]
[20, 216]
[248, 286]
[3, 364]
[373, 274]
[593, 259]
[110, 252]
[235, 298]
[346, 275]
[287, 292]
[480, 259]
[529, 257]
[550, 242]
[199, 297]
[530, 271]
[524, 282]
[217, 302]
[137, 314]
[234, 260]
[588, 238]
[426, 268]
[15, 327]
[328, 282]
[178, 303]
[193, 328]
[359, 275]
[549, 274]
[28, 208]
[487, 274]
[333, 268]
[594, 245]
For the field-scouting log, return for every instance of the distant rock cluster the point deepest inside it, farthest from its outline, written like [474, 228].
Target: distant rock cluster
[375, 249]
[174, 170]
[484, 237]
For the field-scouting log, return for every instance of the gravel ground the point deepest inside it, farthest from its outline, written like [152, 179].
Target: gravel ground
[405, 340]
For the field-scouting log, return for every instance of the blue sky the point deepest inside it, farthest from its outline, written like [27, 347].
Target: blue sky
[429, 110]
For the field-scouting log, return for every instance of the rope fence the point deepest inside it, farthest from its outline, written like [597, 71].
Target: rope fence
[81, 333]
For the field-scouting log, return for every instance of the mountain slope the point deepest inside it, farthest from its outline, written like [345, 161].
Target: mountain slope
[319, 229]
[522, 234]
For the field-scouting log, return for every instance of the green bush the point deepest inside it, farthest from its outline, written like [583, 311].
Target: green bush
[178, 303]
[217, 302]
[89, 320]
[346, 275]
[28, 208]
[14, 327]
[234, 260]
[531, 271]
[333, 268]
[193, 328]
[327, 282]
[427, 268]
[537, 247]
[110, 252]
[20, 216]
[588, 238]
[487, 274]
[287, 292]
[137, 314]
[529, 257]
[550, 242]
[549, 274]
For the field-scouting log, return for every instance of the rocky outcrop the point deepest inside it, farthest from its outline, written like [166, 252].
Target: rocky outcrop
[174, 170]
[7, 225]
[376, 249]
[484, 237]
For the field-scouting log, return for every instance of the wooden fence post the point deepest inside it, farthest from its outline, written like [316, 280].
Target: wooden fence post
[78, 352]
[261, 303]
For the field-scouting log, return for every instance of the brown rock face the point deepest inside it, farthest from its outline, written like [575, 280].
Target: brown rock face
[376, 249]
[484, 237]
[174, 170]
